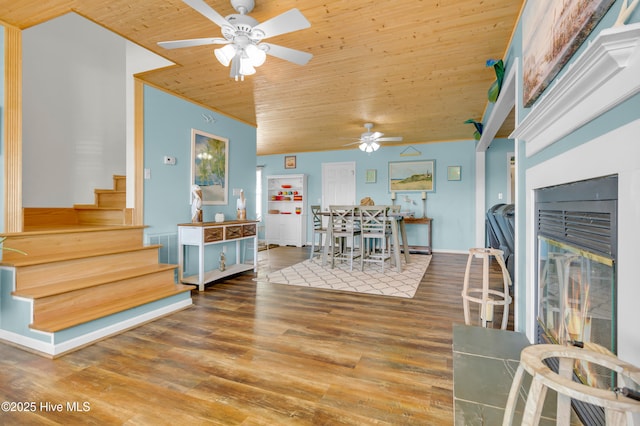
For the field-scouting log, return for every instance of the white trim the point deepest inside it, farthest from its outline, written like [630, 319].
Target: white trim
[503, 106]
[603, 76]
[612, 153]
[481, 183]
[77, 342]
[510, 177]
[450, 251]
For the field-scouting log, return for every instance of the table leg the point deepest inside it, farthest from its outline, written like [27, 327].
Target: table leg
[180, 262]
[255, 253]
[200, 267]
[325, 249]
[396, 243]
[405, 244]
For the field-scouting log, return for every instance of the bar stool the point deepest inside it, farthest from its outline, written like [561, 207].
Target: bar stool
[489, 298]
[618, 407]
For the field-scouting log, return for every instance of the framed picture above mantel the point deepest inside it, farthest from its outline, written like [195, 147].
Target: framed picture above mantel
[552, 32]
[412, 176]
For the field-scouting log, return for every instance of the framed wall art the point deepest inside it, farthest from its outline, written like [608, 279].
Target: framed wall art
[289, 161]
[552, 32]
[210, 166]
[454, 173]
[412, 176]
[370, 176]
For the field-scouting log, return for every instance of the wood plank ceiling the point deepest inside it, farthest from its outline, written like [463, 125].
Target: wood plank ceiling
[413, 68]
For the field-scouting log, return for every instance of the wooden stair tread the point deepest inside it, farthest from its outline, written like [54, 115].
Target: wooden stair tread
[95, 207]
[91, 281]
[65, 229]
[71, 318]
[59, 257]
[108, 191]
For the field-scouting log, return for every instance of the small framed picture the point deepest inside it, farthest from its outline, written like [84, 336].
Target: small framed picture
[370, 176]
[289, 161]
[454, 173]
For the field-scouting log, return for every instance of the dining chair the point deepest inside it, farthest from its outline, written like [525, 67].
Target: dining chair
[318, 229]
[344, 224]
[374, 228]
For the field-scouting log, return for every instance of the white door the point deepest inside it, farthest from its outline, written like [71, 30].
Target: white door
[338, 184]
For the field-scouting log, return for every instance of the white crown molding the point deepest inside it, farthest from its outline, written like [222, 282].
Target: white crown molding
[501, 109]
[603, 76]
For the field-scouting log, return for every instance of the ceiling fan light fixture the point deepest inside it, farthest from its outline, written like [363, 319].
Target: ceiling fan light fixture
[246, 68]
[256, 55]
[243, 34]
[225, 54]
[369, 147]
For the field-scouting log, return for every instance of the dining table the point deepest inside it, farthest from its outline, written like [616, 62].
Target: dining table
[398, 234]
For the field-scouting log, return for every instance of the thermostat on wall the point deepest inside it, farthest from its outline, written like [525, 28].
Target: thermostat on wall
[169, 160]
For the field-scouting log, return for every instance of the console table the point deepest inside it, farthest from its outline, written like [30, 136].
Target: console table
[420, 221]
[209, 233]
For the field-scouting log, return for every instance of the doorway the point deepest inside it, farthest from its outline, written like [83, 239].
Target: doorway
[338, 184]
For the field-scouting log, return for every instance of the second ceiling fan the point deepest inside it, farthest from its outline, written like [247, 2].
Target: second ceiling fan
[370, 141]
[243, 37]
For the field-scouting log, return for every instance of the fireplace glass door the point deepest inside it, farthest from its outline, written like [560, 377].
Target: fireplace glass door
[576, 301]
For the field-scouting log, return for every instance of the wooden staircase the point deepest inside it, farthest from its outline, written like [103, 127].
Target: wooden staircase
[80, 267]
[109, 208]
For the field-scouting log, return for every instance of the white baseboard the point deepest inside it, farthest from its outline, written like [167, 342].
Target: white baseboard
[451, 251]
[52, 349]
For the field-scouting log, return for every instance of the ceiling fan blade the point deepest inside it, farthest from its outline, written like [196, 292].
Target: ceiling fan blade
[296, 56]
[376, 135]
[353, 143]
[208, 12]
[175, 44]
[390, 139]
[292, 20]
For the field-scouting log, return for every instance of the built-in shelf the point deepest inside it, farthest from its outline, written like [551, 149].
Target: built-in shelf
[602, 77]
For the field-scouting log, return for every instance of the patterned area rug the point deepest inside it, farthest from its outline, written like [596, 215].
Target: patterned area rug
[311, 273]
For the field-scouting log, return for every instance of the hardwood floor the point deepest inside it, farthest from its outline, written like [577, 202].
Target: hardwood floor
[255, 353]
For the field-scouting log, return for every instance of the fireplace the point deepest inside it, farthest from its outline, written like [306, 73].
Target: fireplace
[576, 278]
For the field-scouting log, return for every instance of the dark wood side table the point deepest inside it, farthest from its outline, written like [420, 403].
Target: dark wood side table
[420, 221]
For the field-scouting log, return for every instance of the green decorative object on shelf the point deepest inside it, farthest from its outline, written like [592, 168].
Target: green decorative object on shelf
[478, 133]
[494, 90]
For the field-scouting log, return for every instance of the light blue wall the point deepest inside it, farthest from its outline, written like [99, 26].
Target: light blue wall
[168, 121]
[497, 171]
[451, 205]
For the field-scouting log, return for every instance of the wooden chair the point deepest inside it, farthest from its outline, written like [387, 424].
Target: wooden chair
[619, 409]
[374, 229]
[344, 224]
[318, 229]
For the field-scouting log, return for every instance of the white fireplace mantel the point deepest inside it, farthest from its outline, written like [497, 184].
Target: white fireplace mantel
[603, 76]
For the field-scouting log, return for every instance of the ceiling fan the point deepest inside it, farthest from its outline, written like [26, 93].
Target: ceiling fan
[242, 36]
[370, 141]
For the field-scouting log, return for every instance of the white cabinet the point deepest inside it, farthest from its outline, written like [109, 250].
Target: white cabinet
[286, 219]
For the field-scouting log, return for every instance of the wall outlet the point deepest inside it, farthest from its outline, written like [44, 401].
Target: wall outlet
[169, 160]
[500, 196]
[147, 173]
